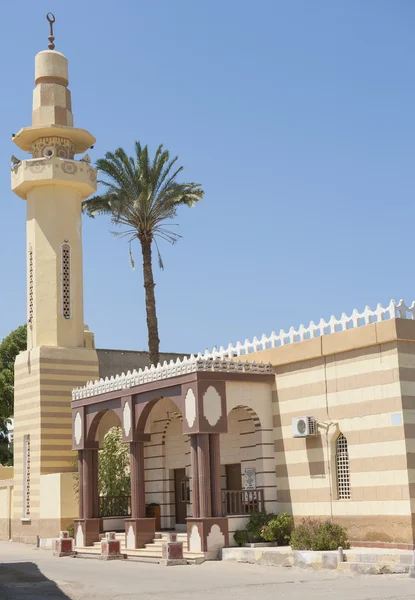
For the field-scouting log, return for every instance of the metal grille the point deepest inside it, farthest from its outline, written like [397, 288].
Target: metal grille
[26, 476]
[342, 468]
[66, 281]
[30, 285]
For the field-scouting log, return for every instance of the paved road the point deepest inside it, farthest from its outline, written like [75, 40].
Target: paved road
[30, 574]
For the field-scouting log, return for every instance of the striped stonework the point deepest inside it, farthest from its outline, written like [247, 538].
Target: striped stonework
[359, 383]
[168, 450]
[250, 423]
[44, 378]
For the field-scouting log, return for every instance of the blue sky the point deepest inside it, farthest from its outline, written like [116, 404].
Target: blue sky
[296, 116]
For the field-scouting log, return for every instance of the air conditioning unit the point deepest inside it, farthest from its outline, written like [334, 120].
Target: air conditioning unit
[304, 426]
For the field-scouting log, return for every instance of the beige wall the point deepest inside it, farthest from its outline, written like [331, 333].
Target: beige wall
[359, 382]
[6, 473]
[6, 501]
[53, 217]
[44, 379]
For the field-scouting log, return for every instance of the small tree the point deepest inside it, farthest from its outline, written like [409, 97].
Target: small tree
[10, 347]
[114, 465]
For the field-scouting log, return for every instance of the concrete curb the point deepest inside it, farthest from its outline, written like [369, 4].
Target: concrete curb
[360, 563]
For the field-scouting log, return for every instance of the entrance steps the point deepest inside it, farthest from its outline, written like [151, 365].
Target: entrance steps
[150, 553]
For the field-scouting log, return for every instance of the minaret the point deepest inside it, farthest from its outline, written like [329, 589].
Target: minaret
[60, 355]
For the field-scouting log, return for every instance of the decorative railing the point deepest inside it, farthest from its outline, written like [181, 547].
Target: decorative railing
[242, 502]
[221, 359]
[172, 369]
[115, 506]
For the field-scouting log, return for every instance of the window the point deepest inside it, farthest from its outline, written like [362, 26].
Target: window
[66, 280]
[26, 477]
[342, 468]
[30, 285]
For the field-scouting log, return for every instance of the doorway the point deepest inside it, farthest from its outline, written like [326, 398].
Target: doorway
[234, 485]
[233, 477]
[179, 496]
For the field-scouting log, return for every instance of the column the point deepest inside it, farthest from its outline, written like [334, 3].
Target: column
[215, 479]
[195, 477]
[204, 475]
[88, 484]
[138, 502]
[95, 489]
[81, 484]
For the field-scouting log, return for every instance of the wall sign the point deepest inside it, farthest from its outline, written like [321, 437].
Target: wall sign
[250, 479]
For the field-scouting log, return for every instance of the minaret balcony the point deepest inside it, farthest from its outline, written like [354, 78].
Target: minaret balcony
[53, 171]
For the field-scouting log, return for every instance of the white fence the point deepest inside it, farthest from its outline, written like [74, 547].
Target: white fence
[221, 359]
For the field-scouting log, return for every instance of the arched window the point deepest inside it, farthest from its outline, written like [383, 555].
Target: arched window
[30, 285]
[342, 468]
[66, 281]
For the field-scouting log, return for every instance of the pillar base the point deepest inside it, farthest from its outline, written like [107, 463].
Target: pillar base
[208, 534]
[139, 532]
[63, 546]
[87, 531]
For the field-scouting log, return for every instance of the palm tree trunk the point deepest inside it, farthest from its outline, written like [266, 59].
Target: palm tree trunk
[152, 324]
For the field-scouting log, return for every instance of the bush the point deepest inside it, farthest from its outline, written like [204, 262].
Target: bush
[256, 522]
[241, 537]
[71, 530]
[313, 534]
[278, 529]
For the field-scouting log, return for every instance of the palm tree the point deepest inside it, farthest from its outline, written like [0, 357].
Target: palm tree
[142, 194]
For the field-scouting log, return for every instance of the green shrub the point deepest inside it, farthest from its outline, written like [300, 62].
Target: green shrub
[71, 530]
[313, 534]
[278, 529]
[241, 537]
[256, 522]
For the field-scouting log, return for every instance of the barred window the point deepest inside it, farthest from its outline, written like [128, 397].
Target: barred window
[26, 476]
[66, 281]
[30, 285]
[342, 468]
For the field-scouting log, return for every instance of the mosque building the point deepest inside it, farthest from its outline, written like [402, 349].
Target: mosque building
[318, 421]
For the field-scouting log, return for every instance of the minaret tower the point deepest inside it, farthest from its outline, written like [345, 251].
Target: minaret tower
[60, 354]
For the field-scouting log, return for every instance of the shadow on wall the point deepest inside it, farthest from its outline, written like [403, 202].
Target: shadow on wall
[315, 456]
[316, 465]
[281, 470]
[24, 580]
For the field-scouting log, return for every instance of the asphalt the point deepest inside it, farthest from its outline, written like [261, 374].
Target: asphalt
[28, 573]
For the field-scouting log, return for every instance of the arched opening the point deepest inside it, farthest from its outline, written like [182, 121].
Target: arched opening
[240, 453]
[113, 466]
[167, 466]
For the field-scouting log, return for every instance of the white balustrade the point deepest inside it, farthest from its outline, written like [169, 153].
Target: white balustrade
[221, 360]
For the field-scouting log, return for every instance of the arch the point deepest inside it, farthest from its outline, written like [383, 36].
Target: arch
[173, 415]
[241, 444]
[143, 411]
[167, 450]
[251, 412]
[96, 421]
[342, 468]
[252, 445]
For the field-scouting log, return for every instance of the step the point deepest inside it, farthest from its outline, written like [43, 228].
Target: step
[139, 554]
[151, 546]
[158, 536]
